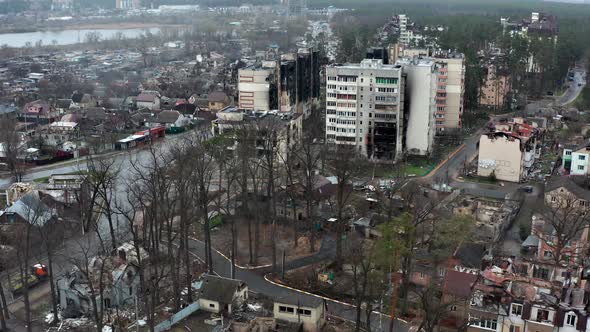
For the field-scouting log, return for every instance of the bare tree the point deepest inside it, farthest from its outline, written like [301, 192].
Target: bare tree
[11, 141]
[203, 171]
[345, 165]
[309, 157]
[566, 217]
[94, 272]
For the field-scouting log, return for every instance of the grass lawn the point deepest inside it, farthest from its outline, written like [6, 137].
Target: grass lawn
[582, 102]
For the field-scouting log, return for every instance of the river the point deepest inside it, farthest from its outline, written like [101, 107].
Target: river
[66, 37]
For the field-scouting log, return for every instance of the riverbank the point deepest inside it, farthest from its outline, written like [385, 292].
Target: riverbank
[93, 26]
[122, 26]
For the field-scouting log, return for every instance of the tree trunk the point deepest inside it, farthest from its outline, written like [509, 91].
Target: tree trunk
[3, 319]
[6, 314]
[52, 285]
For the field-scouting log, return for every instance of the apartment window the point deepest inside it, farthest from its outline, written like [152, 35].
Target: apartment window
[441, 271]
[547, 254]
[568, 153]
[542, 315]
[570, 319]
[553, 199]
[362, 80]
[582, 157]
[370, 115]
[422, 275]
[514, 328]
[453, 308]
[580, 167]
[211, 305]
[516, 309]
[386, 80]
[331, 86]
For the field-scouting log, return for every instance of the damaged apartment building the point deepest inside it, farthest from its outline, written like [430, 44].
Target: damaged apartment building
[492, 214]
[509, 149]
[365, 108]
[289, 85]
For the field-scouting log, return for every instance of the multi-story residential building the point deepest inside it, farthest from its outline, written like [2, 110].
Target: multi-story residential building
[450, 90]
[257, 87]
[421, 110]
[365, 107]
[405, 34]
[127, 4]
[291, 85]
[295, 7]
[299, 81]
[509, 150]
[286, 128]
[495, 89]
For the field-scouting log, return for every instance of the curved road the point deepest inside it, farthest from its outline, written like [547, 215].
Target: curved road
[256, 282]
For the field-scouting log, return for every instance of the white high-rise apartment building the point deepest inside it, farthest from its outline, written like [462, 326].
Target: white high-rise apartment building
[405, 35]
[365, 107]
[421, 86]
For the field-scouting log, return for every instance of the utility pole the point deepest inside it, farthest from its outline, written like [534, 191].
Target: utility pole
[232, 264]
[283, 266]
[394, 280]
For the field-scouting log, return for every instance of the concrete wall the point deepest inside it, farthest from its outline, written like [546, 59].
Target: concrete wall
[500, 155]
[580, 163]
[209, 306]
[311, 322]
[421, 89]
[254, 89]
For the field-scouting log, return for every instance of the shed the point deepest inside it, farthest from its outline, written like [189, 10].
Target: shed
[218, 294]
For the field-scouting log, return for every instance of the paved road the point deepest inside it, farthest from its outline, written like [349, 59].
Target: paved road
[257, 283]
[575, 87]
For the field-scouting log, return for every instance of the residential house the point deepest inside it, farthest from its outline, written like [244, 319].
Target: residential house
[174, 121]
[118, 274]
[217, 100]
[580, 161]
[562, 188]
[38, 112]
[221, 295]
[456, 291]
[63, 105]
[83, 100]
[509, 150]
[149, 100]
[541, 247]
[310, 311]
[60, 132]
[29, 208]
